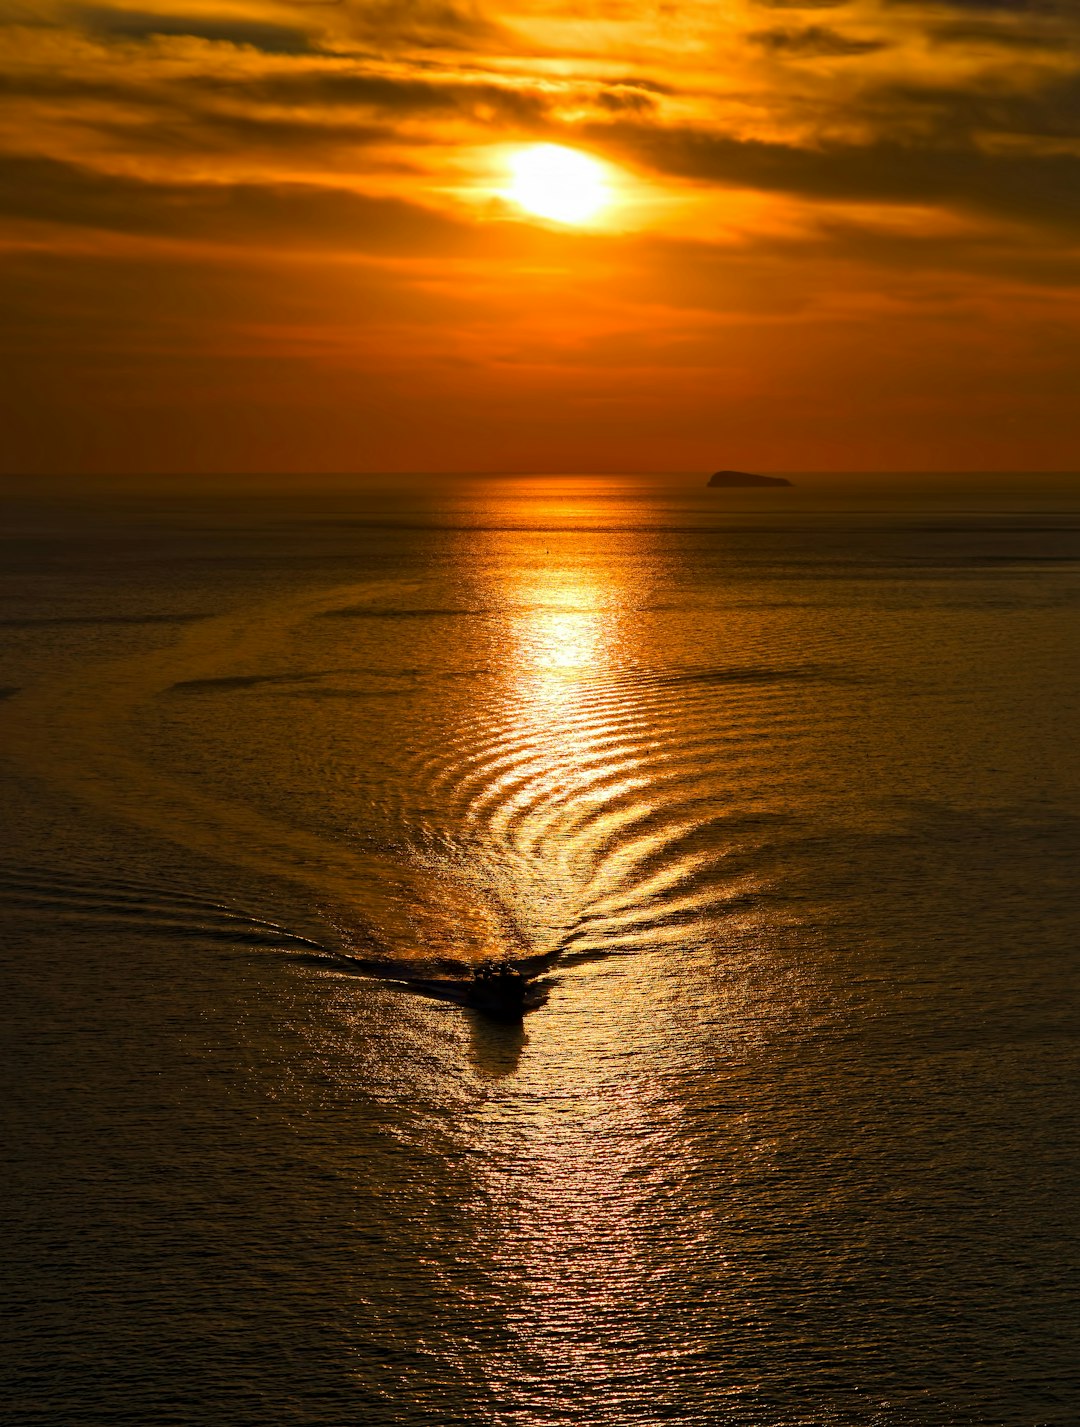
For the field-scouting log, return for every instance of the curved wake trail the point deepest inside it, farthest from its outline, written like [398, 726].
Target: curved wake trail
[588, 813]
[71, 731]
[115, 903]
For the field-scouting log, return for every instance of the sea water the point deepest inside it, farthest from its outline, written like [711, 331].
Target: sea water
[782, 789]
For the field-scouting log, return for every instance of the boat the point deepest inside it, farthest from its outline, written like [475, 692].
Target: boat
[498, 989]
[501, 989]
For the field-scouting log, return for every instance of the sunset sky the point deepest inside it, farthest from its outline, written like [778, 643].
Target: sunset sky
[263, 236]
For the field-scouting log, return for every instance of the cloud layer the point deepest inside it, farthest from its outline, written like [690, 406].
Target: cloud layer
[272, 234]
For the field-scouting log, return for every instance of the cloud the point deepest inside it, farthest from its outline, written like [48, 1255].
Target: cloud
[145, 24]
[949, 115]
[1040, 188]
[332, 87]
[1027, 8]
[801, 4]
[1006, 34]
[426, 25]
[253, 209]
[626, 98]
[813, 42]
[263, 215]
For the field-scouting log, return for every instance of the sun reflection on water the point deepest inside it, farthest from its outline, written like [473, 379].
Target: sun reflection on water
[563, 619]
[564, 643]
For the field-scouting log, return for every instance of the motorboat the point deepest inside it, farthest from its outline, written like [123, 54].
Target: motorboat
[498, 989]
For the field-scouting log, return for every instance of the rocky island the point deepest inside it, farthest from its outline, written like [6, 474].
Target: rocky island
[744, 478]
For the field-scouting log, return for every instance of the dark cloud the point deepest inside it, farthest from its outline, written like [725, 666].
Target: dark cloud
[914, 257]
[217, 131]
[425, 24]
[56, 84]
[304, 108]
[25, 16]
[626, 98]
[1012, 7]
[398, 95]
[170, 119]
[1041, 188]
[1010, 36]
[952, 115]
[140, 24]
[973, 28]
[480, 99]
[801, 4]
[813, 42]
[260, 215]
[317, 88]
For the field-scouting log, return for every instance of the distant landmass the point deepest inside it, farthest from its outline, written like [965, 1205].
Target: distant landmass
[744, 478]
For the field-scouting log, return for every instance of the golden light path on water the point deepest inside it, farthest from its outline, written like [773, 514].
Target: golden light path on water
[558, 777]
[585, 778]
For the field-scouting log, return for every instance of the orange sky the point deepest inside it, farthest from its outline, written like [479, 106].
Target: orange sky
[269, 236]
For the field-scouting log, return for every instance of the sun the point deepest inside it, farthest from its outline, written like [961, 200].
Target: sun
[558, 183]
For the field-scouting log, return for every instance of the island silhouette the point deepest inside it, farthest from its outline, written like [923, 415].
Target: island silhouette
[744, 478]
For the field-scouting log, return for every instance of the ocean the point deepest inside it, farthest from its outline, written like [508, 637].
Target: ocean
[779, 790]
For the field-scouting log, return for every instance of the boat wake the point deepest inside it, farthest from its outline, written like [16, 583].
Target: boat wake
[382, 910]
[568, 814]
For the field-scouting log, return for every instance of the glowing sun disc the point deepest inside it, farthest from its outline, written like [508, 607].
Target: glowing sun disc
[558, 183]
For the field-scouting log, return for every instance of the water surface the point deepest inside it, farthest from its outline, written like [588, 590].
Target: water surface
[781, 786]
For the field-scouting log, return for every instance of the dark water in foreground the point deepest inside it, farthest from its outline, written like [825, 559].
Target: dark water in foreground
[788, 792]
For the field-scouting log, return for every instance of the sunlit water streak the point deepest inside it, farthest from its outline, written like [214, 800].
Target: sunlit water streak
[789, 806]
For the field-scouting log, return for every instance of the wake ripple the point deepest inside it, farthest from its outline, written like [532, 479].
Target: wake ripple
[116, 903]
[604, 813]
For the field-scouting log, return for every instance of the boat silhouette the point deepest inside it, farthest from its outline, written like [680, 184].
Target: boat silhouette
[498, 989]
